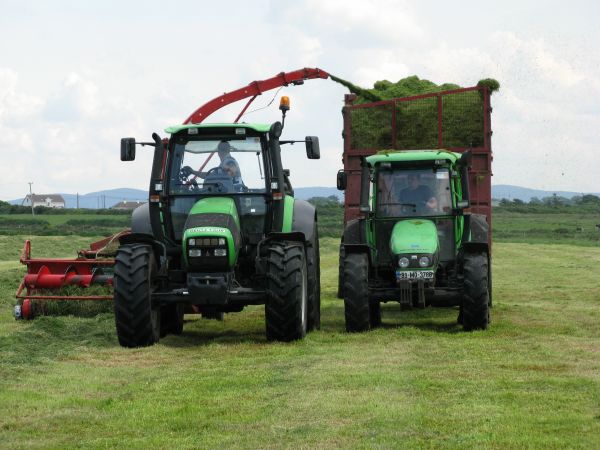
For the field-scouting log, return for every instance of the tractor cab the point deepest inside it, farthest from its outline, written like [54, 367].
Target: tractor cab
[414, 198]
[227, 162]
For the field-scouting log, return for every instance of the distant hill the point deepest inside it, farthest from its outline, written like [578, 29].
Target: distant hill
[308, 192]
[100, 199]
[110, 197]
[510, 192]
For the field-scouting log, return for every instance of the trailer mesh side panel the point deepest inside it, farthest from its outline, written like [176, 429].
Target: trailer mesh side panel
[417, 124]
[462, 120]
[372, 127]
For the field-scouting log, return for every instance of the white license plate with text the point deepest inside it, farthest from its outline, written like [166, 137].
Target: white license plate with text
[414, 274]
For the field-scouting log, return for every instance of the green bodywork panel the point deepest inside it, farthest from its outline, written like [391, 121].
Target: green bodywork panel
[414, 236]
[288, 214]
[259, 127]
[214, 205]
[412, 156]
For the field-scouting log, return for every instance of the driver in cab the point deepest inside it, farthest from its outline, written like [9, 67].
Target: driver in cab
[228, 166]
[418, 194]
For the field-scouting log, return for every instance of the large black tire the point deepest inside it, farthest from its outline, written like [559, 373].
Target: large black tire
[356, 292]
[137, 322]
[286, 308]
[476, 301]
[314, 283]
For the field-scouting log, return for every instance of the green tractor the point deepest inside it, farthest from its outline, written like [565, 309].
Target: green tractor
[415, 242]
[218, 234]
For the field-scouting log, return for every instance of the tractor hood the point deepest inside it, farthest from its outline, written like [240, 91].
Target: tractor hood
[211, 237]
[414, 236]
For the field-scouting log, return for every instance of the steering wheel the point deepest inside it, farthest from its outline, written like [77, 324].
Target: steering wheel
[185, 181]
[213, 171]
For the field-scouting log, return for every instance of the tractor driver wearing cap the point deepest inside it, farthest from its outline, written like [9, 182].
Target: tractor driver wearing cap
[228, 166]
[418, 194]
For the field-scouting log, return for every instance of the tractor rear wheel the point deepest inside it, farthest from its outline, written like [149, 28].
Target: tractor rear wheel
[137, 322]
[476, 300]
[286, 308]
[357, 309]
[314, 283]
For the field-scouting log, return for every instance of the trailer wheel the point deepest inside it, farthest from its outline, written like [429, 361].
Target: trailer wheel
[476, 299]
[356, 292]
[286, 308]
[137, 322]
[314, 283]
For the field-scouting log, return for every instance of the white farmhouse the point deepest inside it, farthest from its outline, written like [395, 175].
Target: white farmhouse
[48, 200]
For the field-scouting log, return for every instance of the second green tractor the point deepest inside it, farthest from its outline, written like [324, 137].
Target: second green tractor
[415, 242]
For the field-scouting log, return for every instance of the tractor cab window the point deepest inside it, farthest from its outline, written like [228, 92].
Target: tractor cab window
[218, 167]
[418, 192]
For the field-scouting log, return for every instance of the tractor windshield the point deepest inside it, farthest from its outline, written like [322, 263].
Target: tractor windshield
[213, 166]
[417, 192]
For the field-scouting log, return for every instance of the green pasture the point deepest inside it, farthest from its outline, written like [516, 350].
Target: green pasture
[63, 224]
[566, 228]
[531, 381]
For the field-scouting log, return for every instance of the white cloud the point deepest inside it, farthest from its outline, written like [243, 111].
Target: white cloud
[389, 20]
[15, 105]
[76, 99]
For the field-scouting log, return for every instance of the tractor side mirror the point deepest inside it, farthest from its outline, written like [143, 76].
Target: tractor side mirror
[127, 149]
[342, 180]
[312, 147]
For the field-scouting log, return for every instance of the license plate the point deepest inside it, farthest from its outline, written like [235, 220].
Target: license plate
[414, 274]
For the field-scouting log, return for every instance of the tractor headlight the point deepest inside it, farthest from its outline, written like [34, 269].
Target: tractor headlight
[403, 262]
[220, 252]
[207, 247]
[424, 261]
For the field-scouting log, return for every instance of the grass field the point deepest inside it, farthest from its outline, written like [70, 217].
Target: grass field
[540, 228]
[63, 224]
[532, 380]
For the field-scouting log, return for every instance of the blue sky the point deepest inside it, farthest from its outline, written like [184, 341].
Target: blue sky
[76, 76]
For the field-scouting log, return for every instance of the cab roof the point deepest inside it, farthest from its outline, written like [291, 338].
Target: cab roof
[412, 155]
[259, 127]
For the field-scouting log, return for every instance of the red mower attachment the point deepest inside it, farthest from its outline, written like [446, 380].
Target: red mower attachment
[91, 267]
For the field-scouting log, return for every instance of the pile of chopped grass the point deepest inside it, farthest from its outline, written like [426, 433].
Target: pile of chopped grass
[417, 121]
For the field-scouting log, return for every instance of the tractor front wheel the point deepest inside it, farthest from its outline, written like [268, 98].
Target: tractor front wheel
[137, 322]
[357, 309]
[286, 308]
[475, 312]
